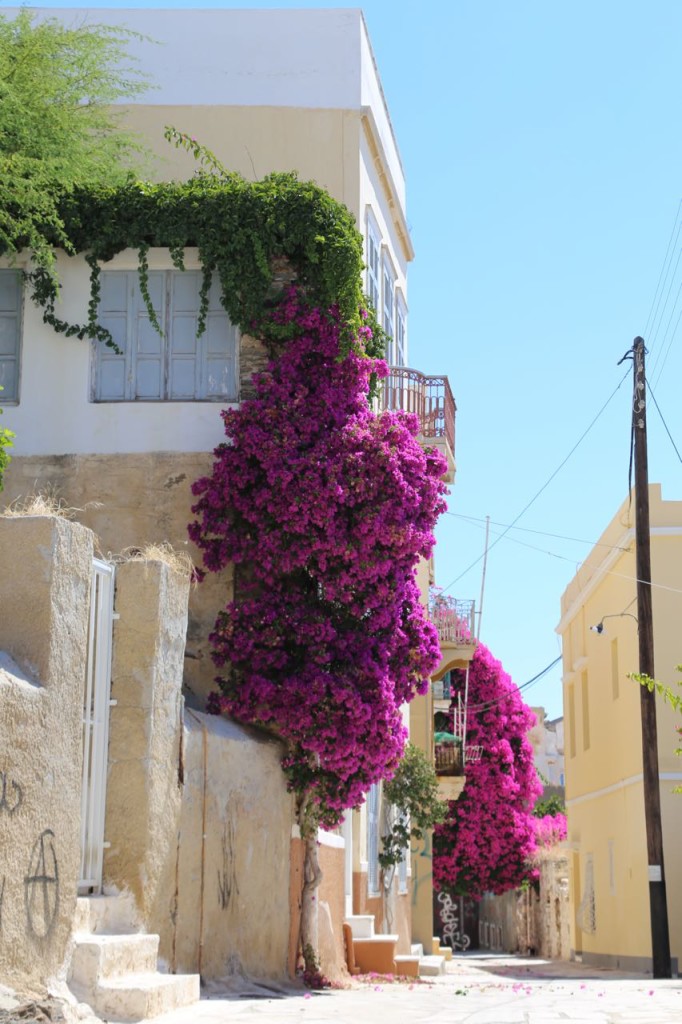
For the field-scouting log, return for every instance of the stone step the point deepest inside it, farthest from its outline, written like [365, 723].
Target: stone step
[375, 954]
[107, 915]
[136, 997]
[406, 966]
[417, 949]
[97, 957]
[430, 966]
[362, 925]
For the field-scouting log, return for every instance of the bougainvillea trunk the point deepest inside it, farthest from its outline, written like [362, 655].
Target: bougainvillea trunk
[331, 506]
[312, 878]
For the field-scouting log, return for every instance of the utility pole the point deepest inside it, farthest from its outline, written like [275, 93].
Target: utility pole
[660, 937]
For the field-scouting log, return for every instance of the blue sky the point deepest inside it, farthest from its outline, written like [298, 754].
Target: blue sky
[543, 154]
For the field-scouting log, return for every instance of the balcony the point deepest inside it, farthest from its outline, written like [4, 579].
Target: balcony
[456, 624]
[431, 400]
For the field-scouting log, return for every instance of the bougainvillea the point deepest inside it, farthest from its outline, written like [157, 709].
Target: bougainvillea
[488, 840]
[325, 509]
[550, 829]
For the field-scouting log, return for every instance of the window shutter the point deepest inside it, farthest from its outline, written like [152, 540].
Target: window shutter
[219, 351]
[147, 370]
[373, 840]
[114, 311]
[10, 334]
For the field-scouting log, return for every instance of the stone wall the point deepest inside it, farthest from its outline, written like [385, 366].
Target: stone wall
[534, 919]
[45, 570]
[145, 772]
[129, 501]
[233, 874]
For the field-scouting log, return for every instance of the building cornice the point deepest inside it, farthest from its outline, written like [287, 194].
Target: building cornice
[369, 126]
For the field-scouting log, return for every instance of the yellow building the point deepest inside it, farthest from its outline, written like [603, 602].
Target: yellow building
[610, 919]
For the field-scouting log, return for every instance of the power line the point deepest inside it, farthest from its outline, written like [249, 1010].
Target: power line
[665, 260]
[663, 421]
[524, 686]
[544, 486]
[604, 572]
[540, 533]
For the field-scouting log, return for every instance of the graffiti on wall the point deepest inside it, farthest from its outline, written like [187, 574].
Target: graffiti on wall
[227, 876]
[41, 885]
[11, 794]
[452, 917]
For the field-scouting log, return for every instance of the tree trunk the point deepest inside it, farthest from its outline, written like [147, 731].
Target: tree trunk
[312, 877]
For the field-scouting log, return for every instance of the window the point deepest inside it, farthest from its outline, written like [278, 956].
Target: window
[174, 366]
[10, 334]
[403, 863]
[373, 841]
[571, 721]
[400, 332]
[388, 320]
[586, 711]
[373, 282]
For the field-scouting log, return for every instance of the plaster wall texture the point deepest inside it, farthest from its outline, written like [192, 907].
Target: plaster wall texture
[331, 907]
[145, 771]
[56, 380]
[233, 873]
[603, 743]
[46, 565]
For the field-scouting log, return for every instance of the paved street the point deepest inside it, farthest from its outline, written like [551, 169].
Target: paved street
[485, 989]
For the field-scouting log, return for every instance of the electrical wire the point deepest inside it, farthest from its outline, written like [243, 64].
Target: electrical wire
[658, 409]
[677, 222]
[667, 351]
[544, 486]
[604, 572]
[540, 533]
[522, 687]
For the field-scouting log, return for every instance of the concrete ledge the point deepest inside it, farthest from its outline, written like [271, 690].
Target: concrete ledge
[375, 954]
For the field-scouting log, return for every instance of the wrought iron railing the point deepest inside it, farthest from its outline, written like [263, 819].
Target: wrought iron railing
[430, 398]
[453, 619]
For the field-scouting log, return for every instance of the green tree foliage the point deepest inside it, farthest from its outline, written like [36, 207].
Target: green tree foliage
[552, 805]
[5, 443]
[413, 791]
[57, 129]
[668, 695]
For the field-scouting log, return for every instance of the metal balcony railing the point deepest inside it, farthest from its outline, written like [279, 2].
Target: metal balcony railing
[430, 398]
[453, 619]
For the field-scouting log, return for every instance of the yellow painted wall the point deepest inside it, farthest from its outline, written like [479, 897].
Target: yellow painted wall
[604, 789]
[321, 145]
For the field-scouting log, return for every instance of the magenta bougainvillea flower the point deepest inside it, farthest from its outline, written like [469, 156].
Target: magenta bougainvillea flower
[326, 509]
[489, 838]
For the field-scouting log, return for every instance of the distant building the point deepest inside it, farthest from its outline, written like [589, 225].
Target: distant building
[547, 737]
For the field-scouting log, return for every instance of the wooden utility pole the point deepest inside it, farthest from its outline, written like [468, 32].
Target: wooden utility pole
[660, 937]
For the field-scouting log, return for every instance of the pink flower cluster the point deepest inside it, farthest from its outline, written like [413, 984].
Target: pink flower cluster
[550, 830]
[326, 509]
[488, 840]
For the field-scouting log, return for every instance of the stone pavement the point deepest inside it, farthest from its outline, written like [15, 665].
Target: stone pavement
[477, 989]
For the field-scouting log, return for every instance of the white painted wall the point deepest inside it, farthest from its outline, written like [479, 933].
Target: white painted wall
[55, 415]
[307, 58]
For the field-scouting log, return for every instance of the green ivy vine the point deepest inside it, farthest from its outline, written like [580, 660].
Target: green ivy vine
[239, 228]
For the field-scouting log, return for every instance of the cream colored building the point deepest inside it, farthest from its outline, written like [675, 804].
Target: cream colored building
[265, 91]
[610, 921]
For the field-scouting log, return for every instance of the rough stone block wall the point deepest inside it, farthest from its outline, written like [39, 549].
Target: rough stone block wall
[145, 733]
[141, 499]
[233, 878]
[45, 570]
